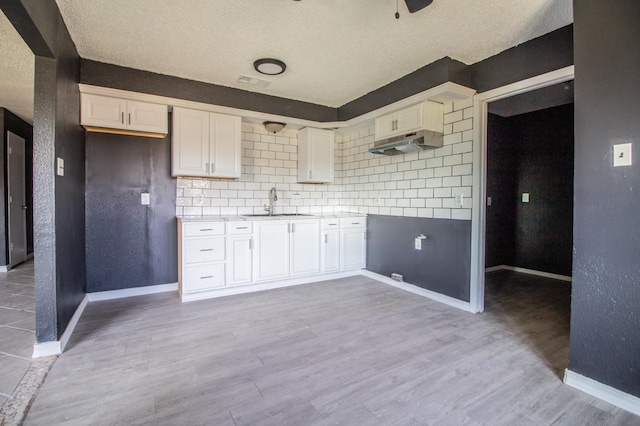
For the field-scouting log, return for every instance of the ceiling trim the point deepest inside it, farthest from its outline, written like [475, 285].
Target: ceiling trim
[445, 92]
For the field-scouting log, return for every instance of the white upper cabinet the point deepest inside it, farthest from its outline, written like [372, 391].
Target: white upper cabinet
[426, 115]
[205, 144]
[315, 155]
[107, 112]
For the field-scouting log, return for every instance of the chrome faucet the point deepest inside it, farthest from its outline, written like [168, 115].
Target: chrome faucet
[273, 197]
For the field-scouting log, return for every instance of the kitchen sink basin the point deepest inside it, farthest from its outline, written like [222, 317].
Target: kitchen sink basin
[276, 215]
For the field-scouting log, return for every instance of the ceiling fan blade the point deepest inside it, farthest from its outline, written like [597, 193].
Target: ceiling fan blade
[416, 5]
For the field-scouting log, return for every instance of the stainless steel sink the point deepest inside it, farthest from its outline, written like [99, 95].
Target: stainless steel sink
[276, 215]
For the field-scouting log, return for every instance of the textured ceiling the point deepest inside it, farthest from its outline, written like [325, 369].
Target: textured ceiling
[16, 72]
[335, 50]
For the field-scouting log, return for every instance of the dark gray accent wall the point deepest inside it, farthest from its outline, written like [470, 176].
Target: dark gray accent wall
[129, 244]
[434, 74]
[443, 265]
[58, 201]
[107, 75]
[531, 153]
[605, 318]
[546, 53]
[10, 122]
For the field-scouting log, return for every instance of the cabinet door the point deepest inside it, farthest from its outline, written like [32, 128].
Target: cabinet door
[385, 126]
[321, 156]
[147, 117]
[103, 111]
[409, 119]
[305, 247]
[271, 254]
[330, 251]
[190, 143]
[353, 248]
[225, 146]
[239, 263]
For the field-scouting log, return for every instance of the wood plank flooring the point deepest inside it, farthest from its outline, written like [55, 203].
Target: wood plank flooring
[349, 352]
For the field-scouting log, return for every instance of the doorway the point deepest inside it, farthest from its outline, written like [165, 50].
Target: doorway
[478, 226]
[17, 199]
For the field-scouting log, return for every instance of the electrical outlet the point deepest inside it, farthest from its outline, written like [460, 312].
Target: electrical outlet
[459, 200]
[622, 155]
[60, 166]
[145, 199]
[525, 197]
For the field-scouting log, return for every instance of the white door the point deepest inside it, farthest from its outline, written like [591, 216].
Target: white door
[353, 248]
[225, 146]
[271, 255]
[190, 143]
[239, 259]
[17, 200]
[330, 252]
[305, 247]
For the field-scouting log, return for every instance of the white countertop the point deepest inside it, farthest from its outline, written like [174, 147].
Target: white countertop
[266, 217]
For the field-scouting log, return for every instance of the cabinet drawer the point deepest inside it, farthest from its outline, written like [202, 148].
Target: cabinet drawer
[203, 277]
[202, 229]
[353, 222]
[330, 223]
[235, 228]
[203, 250]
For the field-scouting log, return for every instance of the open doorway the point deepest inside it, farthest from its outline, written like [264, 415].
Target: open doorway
[529, 217]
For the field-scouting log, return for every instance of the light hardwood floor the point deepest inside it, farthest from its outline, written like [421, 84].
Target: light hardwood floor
[349, 352]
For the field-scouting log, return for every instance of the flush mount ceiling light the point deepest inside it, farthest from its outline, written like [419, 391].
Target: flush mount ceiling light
[269, 66]
[273, 126]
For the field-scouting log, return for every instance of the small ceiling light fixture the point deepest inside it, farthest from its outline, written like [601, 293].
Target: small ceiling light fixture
[269, 66]
[273, 126]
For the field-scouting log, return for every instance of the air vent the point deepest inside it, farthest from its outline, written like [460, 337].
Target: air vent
[252, 81]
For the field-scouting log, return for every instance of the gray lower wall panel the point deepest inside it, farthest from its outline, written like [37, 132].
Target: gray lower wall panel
[443, 264]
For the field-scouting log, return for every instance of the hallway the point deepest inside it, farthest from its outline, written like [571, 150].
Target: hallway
[17, 326]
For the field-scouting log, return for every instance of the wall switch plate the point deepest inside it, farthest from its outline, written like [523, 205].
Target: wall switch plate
[145, 199]
[488, 201]
[525, 197]
[459, 200]
[622, 155]
[60, 166]
[418, 244]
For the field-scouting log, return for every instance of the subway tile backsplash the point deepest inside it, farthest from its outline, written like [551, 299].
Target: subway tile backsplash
[420, 184]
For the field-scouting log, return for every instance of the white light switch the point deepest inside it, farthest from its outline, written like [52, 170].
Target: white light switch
[459, 200]
[145, 199]
[488, 201]
[60, 166]
[525, 197]
[622, 155]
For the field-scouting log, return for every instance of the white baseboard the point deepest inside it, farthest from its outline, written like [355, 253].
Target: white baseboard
[56, 347]
[447, 300]
[251, 288]
[5, 268]
[129, 292]
[529, 271]
[604, 392]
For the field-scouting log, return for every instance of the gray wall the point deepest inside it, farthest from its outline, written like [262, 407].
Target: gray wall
[128, 244]
[58, 201]
[605, 314]
[443, 265]
[531, 153]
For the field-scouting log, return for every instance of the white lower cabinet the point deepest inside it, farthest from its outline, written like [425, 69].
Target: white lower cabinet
[272, 250]
[305, 247]
[214, 257]
[240, 253]
[353, 243]
[330, 245]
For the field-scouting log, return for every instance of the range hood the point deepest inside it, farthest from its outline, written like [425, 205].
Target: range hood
[410, 142]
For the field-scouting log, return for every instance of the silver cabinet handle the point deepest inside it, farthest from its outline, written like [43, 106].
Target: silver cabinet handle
[129, 119]
[250, 244]
[207, 229]
[293, 227]
[208, 276]
[207, 250]
[325, 238]
[122, 118]
[310, 174]
[288, 227]
[242, 227]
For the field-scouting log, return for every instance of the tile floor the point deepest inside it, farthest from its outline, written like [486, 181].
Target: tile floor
[17, 326]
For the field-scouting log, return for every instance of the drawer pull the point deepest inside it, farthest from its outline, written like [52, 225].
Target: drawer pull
[242, 227]
[206, 249]
[207, 277]
[207, 229]
[355, 223]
